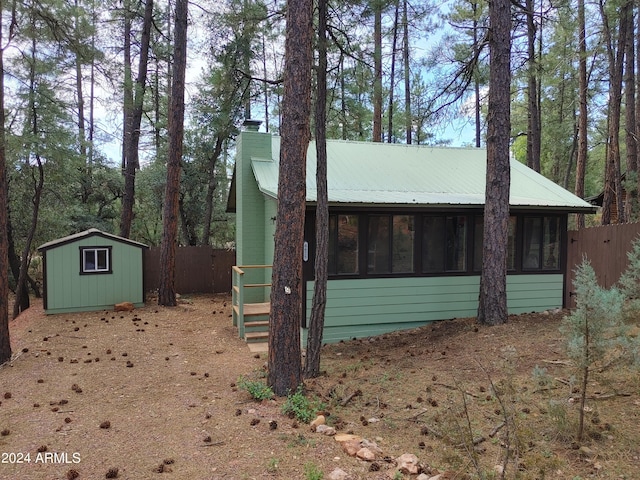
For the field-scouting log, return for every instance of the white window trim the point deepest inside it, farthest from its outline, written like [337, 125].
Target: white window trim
[94, 251]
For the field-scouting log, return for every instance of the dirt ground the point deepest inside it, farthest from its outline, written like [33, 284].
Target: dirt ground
[153, 393]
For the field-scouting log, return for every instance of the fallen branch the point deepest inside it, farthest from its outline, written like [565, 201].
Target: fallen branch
[414, 418]
[346, 400]
[451, 387]
[476, 441]
[496, 429]
[607, 396]
[566, 363]
[215, 444]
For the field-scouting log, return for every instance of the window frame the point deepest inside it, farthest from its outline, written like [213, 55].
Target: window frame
[418, 228]
[390, 244]
[96, 271]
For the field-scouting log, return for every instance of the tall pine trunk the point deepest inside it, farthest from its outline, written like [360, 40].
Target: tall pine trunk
[631, 142]
[533, 116]
[38, 185]
[407, 77]
[316, 322]
[133, 119]
[581, 160]
[166, 290]
[285, 368]
[492, 308]
[392, 74]
[377, 71]
[612, 182]
[5, 341]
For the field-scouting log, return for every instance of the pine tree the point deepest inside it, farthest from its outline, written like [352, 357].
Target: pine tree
[585, 329]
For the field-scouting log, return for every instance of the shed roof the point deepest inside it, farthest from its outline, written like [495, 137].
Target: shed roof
[85, 234]
[375, 174]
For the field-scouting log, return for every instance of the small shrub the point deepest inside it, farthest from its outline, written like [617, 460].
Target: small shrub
[312, 472]
[257, 389]
[272, 466]
[299, 406]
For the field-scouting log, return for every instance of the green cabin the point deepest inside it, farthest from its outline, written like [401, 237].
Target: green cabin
[406, 228]
[92, 270]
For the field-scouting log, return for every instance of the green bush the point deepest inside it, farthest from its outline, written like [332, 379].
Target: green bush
[299, 406]
[257, 389]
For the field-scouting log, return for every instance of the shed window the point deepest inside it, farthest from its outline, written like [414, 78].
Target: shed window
[444, 244]
[390, 244]
[343, 244]
[95, 260]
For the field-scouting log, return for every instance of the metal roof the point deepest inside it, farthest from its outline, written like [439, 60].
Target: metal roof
[366, 173]
[86, 234]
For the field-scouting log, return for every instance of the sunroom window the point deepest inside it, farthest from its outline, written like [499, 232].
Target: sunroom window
[541, 245]
[390, 243]
[444, 243]
[95, 260]
[343, 244]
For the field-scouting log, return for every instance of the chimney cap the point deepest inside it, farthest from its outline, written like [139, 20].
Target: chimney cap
[252, 124]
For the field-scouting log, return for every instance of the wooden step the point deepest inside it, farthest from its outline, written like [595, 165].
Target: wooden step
[254, 309]
[256, 324]
[256, 337]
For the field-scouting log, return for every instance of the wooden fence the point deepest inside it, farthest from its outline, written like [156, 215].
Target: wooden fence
[605, 247]
[198, 269]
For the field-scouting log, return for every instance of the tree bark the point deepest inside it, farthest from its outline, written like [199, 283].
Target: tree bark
[38, 185]
[133, 120]
[14, 265]
[392, 74]
[166, 290]
[377, 71]
[492, 309]
[407, 82]
[316, 322]
[612, 182]
[581, 160]
[5, 341]
[630, 121]
[211, 188]
[533, 117]
[285, 369]
[476, 82]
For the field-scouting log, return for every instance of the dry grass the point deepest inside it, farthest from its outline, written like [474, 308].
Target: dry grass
[152, 393]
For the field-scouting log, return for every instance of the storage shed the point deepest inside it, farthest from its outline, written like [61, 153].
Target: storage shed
[405, 233]
[92, 270]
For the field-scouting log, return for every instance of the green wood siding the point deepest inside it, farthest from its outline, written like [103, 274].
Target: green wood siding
[69, 291]
[252, 218]
[361, 308]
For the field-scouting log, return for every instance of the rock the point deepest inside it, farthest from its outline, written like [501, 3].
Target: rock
[586, 451]
[351, 447]
[373, 446]
[366, 454]
[345, 437]
[633, 332]
[124, 307]
[320, 420]
[338, 474]
[326, 430]
[408, 463]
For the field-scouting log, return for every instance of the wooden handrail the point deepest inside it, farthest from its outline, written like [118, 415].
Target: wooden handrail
[238, 293]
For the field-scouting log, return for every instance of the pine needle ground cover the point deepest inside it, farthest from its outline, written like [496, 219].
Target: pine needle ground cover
[154, 393]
